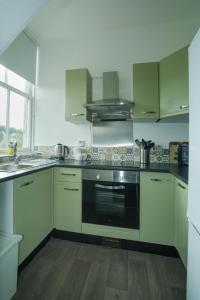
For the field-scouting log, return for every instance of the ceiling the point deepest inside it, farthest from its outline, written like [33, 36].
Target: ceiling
[93, 19]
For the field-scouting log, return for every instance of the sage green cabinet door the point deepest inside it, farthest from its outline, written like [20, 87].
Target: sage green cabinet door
[181, 222]
[174, 84]
[32, 210]
[156, 208]
[78, 93]
[67, 206]
[146, 91]
[45, 203]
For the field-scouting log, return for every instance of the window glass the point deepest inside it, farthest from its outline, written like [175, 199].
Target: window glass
[3, 113]
[19, 82]
[16, 96]
[18, 120]
[16, 81]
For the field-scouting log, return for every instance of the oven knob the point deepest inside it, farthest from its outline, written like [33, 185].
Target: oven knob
[97, 176]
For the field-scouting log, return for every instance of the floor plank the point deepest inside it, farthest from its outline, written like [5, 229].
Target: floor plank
[118, 270]
[138, 284]
[73, 284]
[97, 278]
[115, 294]
[65, 270]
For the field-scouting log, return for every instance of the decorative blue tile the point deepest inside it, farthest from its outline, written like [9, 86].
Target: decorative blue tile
[122, 157]
[95, 150]
[129, 150]
[159, 159]
[165, 151]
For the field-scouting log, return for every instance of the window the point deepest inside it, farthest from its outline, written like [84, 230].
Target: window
[16, 102]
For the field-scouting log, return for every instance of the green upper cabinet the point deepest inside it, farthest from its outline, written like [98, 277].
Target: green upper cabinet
[146, 91]
[78, 93]
[181, 222]
[174, 94]
[157, 208]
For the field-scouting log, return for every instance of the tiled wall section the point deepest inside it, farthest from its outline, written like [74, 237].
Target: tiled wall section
[158, 155]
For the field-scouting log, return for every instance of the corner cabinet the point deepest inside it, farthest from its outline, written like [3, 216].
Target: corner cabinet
[157, 208]
[32, 210]
[78, 86]
[67, 199]
[146, 91]
[174, 84]
[181, 222]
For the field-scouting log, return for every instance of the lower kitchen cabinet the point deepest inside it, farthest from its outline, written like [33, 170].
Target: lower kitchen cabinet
[111, 231]
[68, 200]
[32, 210]
[157, 208]
[181, 222]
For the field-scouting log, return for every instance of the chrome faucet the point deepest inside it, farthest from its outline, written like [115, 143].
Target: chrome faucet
[18, 158]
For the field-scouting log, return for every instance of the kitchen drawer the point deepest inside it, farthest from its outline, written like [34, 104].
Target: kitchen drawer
[67, 174]
[67, 206]
[25, 181]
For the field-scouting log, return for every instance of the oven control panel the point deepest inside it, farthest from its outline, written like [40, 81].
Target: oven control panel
[111, 175]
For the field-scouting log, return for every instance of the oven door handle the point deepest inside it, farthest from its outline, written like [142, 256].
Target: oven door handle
[110, 187]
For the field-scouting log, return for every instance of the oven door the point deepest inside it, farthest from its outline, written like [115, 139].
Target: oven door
[113, 204]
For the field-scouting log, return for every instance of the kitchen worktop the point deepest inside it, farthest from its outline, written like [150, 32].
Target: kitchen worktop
[179, 171]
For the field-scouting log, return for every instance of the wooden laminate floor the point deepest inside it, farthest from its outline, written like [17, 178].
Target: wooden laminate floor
[65, 270]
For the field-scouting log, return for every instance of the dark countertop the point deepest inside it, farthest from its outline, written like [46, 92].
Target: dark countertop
[180, 172]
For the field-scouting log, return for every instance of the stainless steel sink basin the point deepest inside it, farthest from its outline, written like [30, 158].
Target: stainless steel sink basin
[14, 167]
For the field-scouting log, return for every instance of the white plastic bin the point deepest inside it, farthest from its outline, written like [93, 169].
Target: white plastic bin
[8, 264]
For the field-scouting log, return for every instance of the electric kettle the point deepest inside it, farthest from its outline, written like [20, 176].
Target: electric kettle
[61, 150]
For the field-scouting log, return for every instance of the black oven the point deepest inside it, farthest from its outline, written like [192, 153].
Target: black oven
[110, 198]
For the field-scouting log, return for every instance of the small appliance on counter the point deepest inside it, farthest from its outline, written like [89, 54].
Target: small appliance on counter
[145, 147]
[60, 151]
[179, 152]
[183, 154]
[79, 153]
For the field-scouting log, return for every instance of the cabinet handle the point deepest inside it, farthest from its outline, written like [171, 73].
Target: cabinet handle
[148, 112]
[27, 183]
[110, 187]
[184, 106]
[77, 115]
[73, 190]
[181, 186]
[68, 174]
[158, 180]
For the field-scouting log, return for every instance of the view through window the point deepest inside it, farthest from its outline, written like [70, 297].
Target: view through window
[16, 101]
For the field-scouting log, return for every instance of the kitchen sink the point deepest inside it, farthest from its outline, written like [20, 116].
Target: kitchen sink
[14, 167]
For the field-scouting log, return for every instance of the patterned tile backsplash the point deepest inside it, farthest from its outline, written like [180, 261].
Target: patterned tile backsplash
[157, 154]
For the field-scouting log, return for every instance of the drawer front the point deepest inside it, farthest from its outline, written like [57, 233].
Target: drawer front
[67, 174]
[25, 181]
[67, 206]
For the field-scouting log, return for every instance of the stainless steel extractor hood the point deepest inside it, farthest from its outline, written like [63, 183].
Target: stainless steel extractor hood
[111, 107]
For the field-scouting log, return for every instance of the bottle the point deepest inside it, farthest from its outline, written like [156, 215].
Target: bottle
[12, 148]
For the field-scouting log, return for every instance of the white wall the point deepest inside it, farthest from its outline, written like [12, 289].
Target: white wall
[14, 16]
[162, 133]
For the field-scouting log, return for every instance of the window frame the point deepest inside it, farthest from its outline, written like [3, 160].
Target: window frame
[30, 109]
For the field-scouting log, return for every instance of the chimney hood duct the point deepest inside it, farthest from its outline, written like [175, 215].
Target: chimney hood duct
[111, 107]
